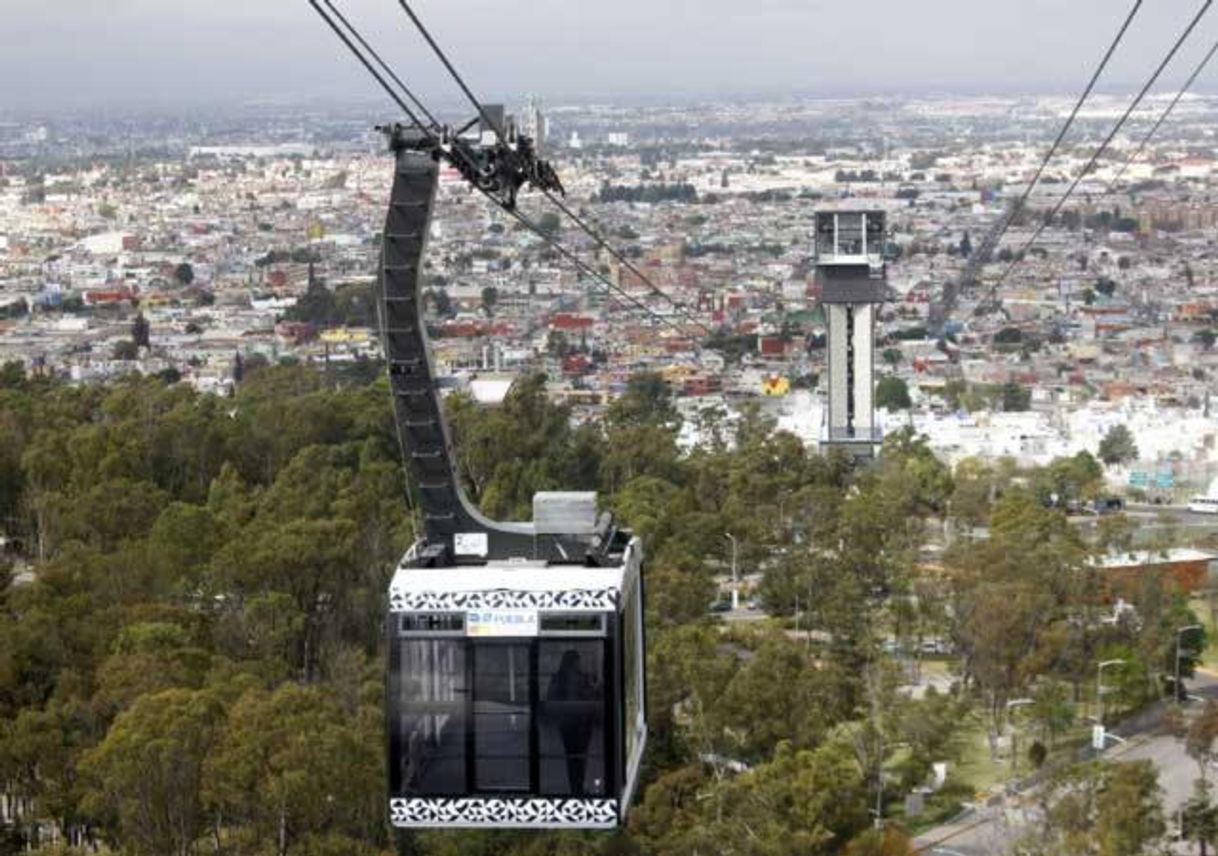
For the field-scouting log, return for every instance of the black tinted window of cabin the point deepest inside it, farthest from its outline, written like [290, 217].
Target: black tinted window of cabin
[571, 722]
[490, 716]
[428, 689]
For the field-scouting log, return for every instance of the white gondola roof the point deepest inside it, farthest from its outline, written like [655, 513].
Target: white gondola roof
[502, 585]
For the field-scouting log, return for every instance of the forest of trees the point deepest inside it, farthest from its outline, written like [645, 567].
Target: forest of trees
[194, 664]
[650, 193]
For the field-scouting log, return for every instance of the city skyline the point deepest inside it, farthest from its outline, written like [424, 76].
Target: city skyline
[135, 52]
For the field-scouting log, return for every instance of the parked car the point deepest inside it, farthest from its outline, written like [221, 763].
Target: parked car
[1106, 505]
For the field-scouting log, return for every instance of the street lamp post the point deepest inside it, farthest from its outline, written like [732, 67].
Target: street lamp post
[735, 579]
[1099, 687]
[1175, 687]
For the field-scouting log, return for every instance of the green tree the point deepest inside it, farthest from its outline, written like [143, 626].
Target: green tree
[966, 245]
[140, 330]
[891, 393]
[147, 773]
[910, 454]
[1200, 737]
[1052, 710]
[807, 802]
[642, 427]
[1009, 592]
[317, 305]
[1015, 397]
[1104, 809]
[291, 765]
[1008, 336]
[184, 273]
[1129, 810]
[1118, 446]
[549, 223]
[647, 400]
[1200, 817]
[975, 486]
[1074, 478]
[490, 299]
[147, 657]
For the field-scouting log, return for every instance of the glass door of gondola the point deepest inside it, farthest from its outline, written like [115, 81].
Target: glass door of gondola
[502, 707]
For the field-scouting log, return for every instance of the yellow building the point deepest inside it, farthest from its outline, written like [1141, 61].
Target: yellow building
[775, 385]
[346, 336]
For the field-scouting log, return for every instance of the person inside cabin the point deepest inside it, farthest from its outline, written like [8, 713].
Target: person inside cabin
[569, 688]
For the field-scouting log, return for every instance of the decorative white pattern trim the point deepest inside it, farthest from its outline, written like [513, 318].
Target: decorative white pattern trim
[522, 813]
[577, 600]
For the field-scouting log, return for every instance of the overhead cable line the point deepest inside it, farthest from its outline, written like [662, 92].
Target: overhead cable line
[596, 236]
[584, 226]
[435, 124]
[432, 135]
[1102, 147]
[586, 268]
[1163, 117]
[423, 31]
[1078, 105]
[338, 31]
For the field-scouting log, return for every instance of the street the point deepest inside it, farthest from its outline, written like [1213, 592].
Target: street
[989, 830]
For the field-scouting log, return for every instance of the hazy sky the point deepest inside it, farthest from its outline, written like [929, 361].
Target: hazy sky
[110, 53]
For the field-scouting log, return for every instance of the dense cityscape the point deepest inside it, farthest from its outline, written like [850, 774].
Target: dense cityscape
[215, 242]
[988, 633]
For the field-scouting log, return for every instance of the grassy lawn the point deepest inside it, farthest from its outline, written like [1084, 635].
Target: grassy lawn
[983, 773]
[975, 766]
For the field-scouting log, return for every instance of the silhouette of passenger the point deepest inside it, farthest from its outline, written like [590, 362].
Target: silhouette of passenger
[570, 686]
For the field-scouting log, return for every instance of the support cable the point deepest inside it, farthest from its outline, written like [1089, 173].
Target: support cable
[610, 287]
[435, 123]
[580, 222]
[1078, 105]
[596, 236]
[368, 66]
[423, 31]
[1163, 117]
[1102, 147]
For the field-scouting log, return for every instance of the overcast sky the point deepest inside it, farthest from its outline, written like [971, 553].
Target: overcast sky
[112, 53]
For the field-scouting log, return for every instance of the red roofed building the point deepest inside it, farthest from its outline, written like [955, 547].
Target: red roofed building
[103, 296]
[771, 346]
[568, 322]
[575, 364]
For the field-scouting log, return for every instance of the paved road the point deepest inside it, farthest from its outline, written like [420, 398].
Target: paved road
[989, 830]
[1154, 518]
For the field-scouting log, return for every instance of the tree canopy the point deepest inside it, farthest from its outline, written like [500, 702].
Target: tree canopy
[1118, 446]
[196, 664]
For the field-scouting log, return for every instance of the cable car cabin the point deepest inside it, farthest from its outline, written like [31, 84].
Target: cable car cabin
[514, 677]
[515, 694]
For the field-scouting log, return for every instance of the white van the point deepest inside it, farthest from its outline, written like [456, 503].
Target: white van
[1203, 504]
